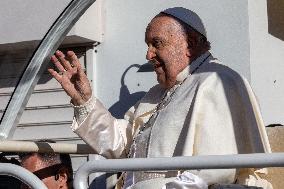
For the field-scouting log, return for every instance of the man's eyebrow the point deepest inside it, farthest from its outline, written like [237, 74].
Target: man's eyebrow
[154, 39]
[158, 39]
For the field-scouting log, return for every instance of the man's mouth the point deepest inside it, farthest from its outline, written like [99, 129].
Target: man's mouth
[156, 64]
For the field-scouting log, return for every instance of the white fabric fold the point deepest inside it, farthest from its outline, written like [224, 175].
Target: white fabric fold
[186, 180]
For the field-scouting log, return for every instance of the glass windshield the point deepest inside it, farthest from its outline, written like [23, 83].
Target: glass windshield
[23, 26]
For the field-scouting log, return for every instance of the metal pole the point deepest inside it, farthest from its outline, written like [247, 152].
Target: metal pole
[38, 63]
[21, 174]
[45, 147]
[259, 160]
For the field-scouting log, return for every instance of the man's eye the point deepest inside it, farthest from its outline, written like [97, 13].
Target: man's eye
[157, 43]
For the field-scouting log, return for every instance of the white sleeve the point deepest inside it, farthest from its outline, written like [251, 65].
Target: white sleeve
[82, 111]
[108, 136]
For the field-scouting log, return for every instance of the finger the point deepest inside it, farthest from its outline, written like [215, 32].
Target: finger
[63, 61]
[74, 59]
[57, 63]
[55, 75]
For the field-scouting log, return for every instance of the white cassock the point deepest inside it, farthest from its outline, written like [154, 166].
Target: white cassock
[210, 111]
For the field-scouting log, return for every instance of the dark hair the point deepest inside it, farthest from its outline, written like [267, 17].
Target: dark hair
[50, 159]
[202, 42]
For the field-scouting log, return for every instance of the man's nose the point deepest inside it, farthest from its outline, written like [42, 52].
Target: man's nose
[150, 53]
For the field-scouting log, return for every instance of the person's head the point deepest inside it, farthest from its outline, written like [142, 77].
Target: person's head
[55, 170]
[172, 45]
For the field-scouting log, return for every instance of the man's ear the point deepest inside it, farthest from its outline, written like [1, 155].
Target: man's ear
[62, 177]
[188, 52]
[191, 45]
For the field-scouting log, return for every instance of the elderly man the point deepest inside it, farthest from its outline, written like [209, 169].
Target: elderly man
[199, 107]
[55, 170]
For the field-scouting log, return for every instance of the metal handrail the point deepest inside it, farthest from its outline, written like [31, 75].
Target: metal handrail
[21, 174]
[257, 160]
[45, 147]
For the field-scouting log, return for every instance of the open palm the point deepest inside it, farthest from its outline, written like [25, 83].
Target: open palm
[71, 77]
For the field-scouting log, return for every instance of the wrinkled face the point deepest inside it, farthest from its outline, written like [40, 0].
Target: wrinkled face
[167, 49]
[35, 165]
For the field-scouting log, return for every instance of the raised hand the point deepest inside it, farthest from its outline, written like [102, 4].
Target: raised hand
[71, 77]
